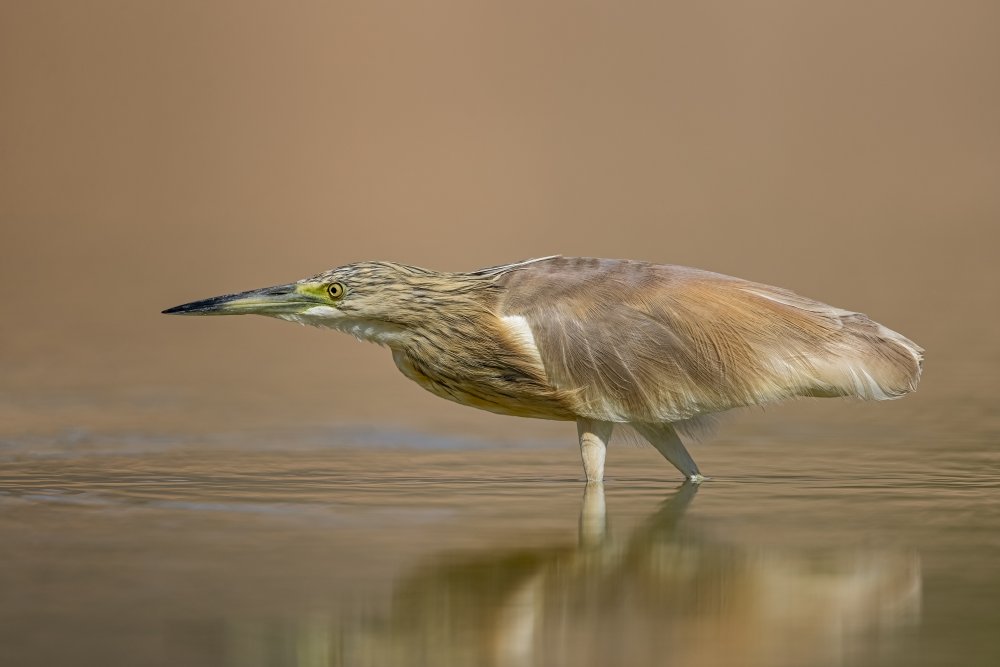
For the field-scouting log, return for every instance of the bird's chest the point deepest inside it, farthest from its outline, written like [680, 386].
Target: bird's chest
[494, 382]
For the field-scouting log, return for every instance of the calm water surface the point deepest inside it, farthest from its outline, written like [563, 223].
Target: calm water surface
[401, 549]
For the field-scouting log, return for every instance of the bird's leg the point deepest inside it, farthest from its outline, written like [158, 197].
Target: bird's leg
[664, 437]
[593, 516]
[594, 437]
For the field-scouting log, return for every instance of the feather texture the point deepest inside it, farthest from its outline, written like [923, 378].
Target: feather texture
[638, 342]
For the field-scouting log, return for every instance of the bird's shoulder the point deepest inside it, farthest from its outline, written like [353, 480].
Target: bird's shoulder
[594, 287]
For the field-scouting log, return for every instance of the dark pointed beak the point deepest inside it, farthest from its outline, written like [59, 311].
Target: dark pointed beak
[276, 300]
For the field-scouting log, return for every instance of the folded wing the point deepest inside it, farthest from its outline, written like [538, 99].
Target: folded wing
[633, 341]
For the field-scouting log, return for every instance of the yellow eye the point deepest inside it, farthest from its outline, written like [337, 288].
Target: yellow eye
[335, 290]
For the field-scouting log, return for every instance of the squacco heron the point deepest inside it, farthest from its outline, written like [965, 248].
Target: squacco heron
[596, 341]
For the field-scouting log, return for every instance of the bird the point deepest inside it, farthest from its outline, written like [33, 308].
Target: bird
[607, 343]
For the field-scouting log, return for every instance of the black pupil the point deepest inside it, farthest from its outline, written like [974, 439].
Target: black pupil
[335, 289]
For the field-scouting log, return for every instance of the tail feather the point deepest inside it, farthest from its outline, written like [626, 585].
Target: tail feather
[856, 356]
[871, 362]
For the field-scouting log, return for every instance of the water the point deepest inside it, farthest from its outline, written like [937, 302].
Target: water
[263, 550]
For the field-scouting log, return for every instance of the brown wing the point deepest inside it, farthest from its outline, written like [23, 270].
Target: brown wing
[645, 342]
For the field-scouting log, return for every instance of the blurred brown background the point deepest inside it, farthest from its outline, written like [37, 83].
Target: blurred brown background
[152, 153]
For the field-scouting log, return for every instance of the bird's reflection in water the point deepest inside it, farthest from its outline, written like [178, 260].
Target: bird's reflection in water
[663, 595]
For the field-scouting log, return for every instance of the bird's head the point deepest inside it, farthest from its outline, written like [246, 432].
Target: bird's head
[377, 301]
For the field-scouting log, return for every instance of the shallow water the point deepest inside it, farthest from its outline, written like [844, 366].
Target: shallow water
[308, 550]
